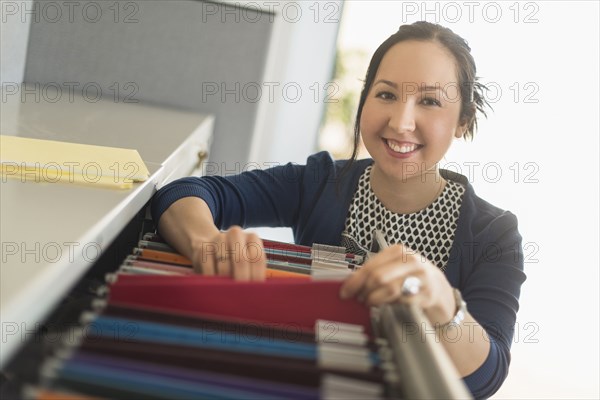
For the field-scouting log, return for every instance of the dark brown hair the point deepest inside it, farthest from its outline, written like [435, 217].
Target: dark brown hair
[471, 91]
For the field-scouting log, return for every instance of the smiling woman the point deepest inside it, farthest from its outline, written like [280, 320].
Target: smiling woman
[408, 117]
[531, 83]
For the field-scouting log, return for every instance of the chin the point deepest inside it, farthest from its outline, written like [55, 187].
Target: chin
[404, 170]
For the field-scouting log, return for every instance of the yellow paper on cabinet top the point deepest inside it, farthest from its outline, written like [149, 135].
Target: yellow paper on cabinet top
[52, 161]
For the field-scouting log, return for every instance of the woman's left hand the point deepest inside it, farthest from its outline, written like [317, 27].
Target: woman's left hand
[380, 281]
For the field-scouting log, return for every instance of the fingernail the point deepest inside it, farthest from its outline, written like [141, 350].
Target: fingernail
[343, 294]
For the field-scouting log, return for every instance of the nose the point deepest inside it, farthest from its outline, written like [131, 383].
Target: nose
[402, 118]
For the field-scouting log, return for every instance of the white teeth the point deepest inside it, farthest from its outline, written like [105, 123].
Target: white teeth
[405, 148]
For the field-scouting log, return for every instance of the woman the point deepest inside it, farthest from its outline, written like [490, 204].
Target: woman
[448, 246]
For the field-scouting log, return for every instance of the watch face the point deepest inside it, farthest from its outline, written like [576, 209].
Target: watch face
[461, 307]
[459, 317]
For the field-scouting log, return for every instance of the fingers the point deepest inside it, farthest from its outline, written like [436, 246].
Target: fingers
[382, 277]
[379, 270]
[237, 265]
[232, 253]
[256, 257]
[391, 292]
[383, 295]
[390, 275]
[353, 284]
[204, 258]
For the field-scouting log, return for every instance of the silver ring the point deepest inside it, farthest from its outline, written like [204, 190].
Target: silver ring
[411, 286]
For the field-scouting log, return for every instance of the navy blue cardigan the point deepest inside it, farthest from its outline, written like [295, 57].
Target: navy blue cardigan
[486, 259]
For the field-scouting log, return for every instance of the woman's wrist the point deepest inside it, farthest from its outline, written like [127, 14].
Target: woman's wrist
[200, 242]
[444, 311]
[459, 313]
[197, 240]
[186, 224]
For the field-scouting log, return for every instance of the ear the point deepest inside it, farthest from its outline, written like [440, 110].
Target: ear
[460, 130]
[465, 120]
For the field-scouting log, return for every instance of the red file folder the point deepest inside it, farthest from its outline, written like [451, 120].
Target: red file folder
[286, 301]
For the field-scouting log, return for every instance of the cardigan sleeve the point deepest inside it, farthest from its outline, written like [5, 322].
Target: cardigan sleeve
[268, 197]
[492, 292]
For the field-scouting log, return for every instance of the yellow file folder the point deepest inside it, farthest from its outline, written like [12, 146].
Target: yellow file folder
[51, 161]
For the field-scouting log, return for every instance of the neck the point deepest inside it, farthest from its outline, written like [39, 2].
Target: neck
[407, 195]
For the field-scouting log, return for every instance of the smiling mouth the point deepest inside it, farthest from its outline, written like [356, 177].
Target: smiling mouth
[402, 148]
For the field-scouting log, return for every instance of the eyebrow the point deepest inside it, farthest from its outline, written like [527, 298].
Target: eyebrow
[421, 87]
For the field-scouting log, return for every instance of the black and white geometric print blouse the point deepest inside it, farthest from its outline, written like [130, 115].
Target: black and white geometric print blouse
[429, 231]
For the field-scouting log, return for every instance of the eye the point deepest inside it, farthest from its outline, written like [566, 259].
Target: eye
[431, 101]
[385, 95]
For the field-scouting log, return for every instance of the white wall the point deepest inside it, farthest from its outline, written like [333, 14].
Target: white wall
[14, 34]
[304, 47]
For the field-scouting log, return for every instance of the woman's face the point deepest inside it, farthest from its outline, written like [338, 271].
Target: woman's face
[411, 114]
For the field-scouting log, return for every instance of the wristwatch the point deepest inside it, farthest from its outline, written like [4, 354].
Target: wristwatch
[461, 310]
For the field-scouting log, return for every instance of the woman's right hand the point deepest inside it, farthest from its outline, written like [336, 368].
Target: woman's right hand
[232, 253]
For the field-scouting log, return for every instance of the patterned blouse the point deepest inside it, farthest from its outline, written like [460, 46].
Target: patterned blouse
[429, 231]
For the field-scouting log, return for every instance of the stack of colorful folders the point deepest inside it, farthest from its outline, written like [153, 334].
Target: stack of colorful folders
[153, 256]
[177, 335]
